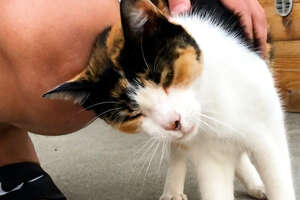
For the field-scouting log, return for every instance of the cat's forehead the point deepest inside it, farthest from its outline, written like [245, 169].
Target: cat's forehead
[167, 57]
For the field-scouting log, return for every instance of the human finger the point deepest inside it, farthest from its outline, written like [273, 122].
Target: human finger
[259, 25]
[179, 6]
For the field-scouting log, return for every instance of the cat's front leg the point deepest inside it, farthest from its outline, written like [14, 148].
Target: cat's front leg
[174, 184]
[215, 177]
[271, 155]
[248, 175]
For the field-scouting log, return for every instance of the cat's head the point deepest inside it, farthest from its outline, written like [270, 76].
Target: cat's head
[140, 75]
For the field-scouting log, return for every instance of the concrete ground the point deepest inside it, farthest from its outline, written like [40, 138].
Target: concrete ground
[98, 163]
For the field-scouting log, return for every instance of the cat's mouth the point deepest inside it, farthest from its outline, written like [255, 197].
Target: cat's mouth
[187, 133]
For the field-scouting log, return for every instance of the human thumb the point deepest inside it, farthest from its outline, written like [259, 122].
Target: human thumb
[179, 6]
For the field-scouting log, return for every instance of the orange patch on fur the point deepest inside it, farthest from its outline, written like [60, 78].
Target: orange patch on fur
[78, 76]
[162, 5]
[186, 67]
[148, 7]
[118, 89]
[164, 75]
[115, 43]
[129, 126]
[149, 83]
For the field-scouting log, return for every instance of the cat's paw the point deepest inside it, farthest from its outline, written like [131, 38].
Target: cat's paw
[173, 197]
[257, 192]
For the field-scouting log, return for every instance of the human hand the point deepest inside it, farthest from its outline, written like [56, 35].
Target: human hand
[179, 6]
[253, 18]
[251, 12]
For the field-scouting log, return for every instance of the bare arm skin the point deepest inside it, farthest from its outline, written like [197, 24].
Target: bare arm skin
[42, 44]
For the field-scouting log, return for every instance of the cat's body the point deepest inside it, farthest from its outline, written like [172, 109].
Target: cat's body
[243, 114]
[196, 81]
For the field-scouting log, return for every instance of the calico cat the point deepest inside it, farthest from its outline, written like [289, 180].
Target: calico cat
[197, 81]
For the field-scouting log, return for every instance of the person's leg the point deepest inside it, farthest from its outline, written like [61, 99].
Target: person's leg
[21, 176]
[15, 146]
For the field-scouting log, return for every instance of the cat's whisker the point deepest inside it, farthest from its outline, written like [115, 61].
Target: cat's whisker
[100, 103]
[210, 112]
[158, 140]
[202, 128]
[116, 116]
[156, 62]
[219, 122]
[215, 121]
[143, 154]
[162, 154]
[120, 120]
[97, 116]
[153, 154]
[208, 126]
[143, 55]
[140, 147]
[148, 158]
[145, 150]
[168, 149]
[109, 110]
[148, 149]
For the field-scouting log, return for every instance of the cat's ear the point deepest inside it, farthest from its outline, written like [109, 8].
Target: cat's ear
[75, 91]
[139, 17]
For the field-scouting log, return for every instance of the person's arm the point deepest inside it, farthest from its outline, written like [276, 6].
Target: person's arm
[43, 44]
[252, 16]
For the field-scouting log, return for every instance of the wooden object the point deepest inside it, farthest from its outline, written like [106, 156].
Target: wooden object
[285, 32]
[284, 28]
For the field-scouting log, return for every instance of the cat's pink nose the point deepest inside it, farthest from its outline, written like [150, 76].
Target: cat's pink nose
[174, 123]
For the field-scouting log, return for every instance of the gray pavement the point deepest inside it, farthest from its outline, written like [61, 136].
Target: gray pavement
[98, 163]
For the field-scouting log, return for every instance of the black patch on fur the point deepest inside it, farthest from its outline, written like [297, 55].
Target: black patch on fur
[76, 87]
[101, 101]
[101, 39]
[154, 50]
[155, 2]
[224, 17]
[100, 98]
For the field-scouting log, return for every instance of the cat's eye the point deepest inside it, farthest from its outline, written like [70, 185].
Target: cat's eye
[136, 116]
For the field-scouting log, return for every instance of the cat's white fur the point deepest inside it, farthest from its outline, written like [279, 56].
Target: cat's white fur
[231, 111]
